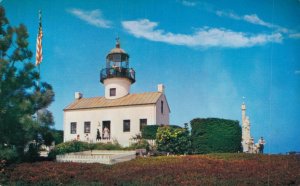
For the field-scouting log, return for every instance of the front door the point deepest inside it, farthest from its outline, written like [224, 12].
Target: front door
[106, 129]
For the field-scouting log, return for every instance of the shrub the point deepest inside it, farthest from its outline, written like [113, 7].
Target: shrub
[78, 146]
[58, 136]
[108, 146]
[8, 154]
[149, 131]
[174, 140]
[68, 147]
[141, 144]
[32, 154]
[48, 138]
[215, 135]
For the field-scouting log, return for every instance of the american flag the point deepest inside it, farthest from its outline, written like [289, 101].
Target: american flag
[39, 49]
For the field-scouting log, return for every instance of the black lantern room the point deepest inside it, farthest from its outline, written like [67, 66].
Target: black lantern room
[117, 65]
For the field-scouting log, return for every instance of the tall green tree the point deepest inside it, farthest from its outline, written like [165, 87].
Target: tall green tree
[23, 101]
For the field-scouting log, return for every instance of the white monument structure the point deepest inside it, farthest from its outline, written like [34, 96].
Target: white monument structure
[118, 115]
[247, 140]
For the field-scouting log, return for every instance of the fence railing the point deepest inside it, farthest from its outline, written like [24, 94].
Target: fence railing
[117, 72]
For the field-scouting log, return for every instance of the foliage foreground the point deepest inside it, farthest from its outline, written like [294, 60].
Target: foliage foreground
[25, 120]
[213, 169]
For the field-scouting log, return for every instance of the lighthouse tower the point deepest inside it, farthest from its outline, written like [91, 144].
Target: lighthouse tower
[246, 137]
[117, 77]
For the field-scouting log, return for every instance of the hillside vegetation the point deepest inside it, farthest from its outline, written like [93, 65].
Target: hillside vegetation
[212, 169]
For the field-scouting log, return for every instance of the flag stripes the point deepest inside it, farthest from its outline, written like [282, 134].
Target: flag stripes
[39, 49]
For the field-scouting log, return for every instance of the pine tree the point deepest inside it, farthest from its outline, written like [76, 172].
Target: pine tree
[23, 101]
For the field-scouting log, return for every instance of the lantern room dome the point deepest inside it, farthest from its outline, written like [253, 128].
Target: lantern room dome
[117, 53]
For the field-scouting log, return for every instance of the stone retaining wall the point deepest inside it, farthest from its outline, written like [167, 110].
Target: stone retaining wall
[97, 156]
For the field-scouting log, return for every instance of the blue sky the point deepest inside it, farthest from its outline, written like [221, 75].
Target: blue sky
[208, 54]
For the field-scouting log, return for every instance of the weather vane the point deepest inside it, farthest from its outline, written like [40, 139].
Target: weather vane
[118, 42]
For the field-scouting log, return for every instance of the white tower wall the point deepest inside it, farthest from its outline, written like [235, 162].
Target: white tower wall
[246, 136]
[122, 86]
[243, 107]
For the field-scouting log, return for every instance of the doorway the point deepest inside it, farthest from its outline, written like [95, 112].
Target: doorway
[106, 130]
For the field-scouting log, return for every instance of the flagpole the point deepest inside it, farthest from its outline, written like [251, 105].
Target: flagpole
[39, 50]
[39, 71]
[39, 56]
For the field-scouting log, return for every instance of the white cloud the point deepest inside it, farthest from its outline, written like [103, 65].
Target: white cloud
[295, 35]
[253, 19]
[228, 14]
[188, 3]
[204, 37]
[93, 17]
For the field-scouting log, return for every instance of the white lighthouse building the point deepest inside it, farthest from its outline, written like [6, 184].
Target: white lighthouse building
[118, 115]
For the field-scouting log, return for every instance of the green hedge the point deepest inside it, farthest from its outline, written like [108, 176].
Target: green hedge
[78, 146]
[214, 135]
[149, 131]
[68, 147]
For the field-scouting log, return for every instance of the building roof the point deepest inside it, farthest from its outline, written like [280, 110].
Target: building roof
[102, 102]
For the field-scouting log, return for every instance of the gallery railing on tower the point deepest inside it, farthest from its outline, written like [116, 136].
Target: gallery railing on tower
[117, 72]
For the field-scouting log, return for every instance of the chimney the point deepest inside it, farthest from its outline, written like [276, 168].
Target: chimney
[161, 88]
[78, 95]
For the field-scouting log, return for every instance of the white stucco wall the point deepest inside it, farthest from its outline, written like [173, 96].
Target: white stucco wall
[115, 115]
[162, 117]
[122, 86]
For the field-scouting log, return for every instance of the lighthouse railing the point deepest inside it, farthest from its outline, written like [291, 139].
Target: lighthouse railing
[117, 72]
